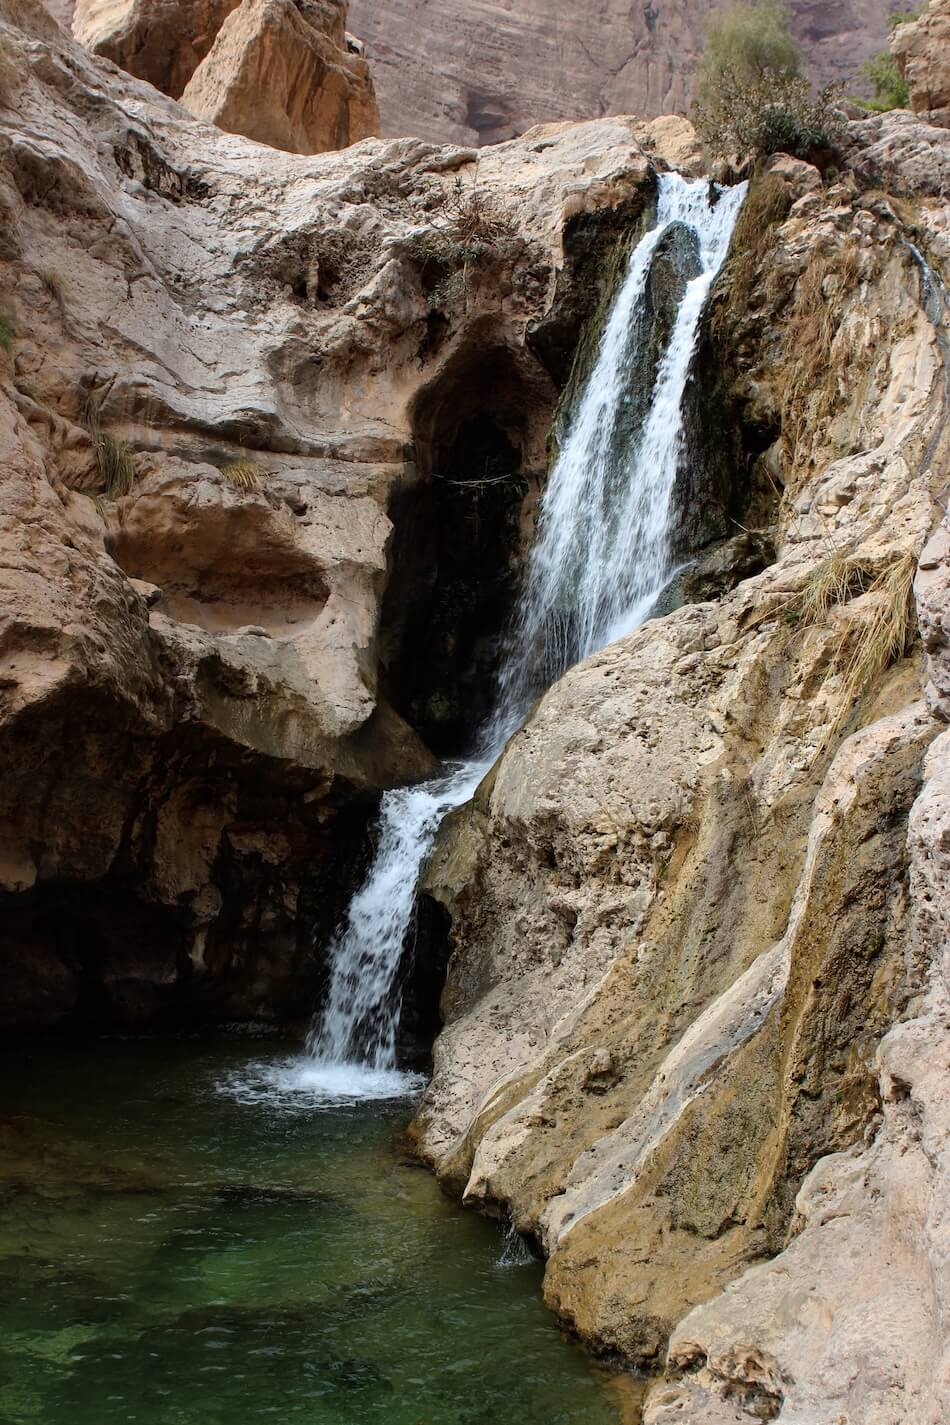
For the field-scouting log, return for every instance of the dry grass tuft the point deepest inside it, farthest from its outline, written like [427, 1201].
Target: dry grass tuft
[880, 634]
[767, 204]
[835, 581]
[242, 473]
[472, 217]
[885, 633]
[115, 457]
[815, 356]
[53, 284]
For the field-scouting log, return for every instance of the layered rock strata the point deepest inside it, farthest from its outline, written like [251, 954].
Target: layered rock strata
[222, 366]
[703, 882]
[476, 71]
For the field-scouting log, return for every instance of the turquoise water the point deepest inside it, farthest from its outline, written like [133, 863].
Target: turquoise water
[178, 1249]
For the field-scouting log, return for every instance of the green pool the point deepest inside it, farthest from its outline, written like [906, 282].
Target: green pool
[180, 1244]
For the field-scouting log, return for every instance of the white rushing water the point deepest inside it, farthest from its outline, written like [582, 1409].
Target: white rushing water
[600, 559]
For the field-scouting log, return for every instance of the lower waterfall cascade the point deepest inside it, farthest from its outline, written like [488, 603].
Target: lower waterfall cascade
[599, 562]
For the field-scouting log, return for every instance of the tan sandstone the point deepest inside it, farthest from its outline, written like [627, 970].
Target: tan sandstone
[162, 41]
[251, 332]
[680, 926]
[921, 49]
[280, 72]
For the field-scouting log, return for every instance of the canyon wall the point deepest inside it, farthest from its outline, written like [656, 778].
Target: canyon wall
[695, 1036]
[706, 879]
[225, 372]
[278, 71]
[479, 71]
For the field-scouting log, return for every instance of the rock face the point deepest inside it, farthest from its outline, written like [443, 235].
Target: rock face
[707, 878]
[162, 42]
[921, 50]
[230, 371]
[278, 71]
[696, 1028]
[477, 71]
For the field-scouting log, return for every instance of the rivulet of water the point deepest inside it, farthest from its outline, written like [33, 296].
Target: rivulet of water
[600, 559]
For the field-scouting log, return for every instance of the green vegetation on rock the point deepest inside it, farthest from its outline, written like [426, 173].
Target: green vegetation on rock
[751, 97]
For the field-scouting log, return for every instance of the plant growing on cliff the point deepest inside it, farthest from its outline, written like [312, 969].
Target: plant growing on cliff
[821, 361]
[766, 205]
[882, 632]
[778, 113]
[751, 97]
[114, 457]
[470, 227]
[242, 473]
[889, 88]
[888, 85]
[6, 332]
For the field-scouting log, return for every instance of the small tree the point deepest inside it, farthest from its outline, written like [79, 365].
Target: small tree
[745, 41]
[888, 86]
[751, 97]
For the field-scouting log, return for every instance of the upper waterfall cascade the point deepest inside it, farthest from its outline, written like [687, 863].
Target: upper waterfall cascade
[599, 562]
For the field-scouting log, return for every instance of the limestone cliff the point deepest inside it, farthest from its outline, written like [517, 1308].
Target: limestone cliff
[479, 71]
[279, 71]
[708, 876]
[921, 50]
[225, 371]
[696, 1037]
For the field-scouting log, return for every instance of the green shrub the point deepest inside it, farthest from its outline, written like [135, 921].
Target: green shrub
[776, 113]
[6, 331]
[904, 17]
[888, 86]
[751, 97]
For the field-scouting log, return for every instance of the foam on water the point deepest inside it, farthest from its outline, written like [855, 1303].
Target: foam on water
[296, 1084]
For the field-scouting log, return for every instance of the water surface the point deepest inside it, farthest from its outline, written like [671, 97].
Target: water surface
[182, 1245]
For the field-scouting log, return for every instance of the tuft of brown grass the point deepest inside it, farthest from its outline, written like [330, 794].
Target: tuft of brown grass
[815, 356]
[53, 284]
[242, 473]
[886, 631]
[834, 581]
[114, 457]
[766, 205]
[876, 637]
[472, 217]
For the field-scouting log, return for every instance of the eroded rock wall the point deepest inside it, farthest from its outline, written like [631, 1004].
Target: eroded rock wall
[477, 71]
[215, 360]
[282, 72]
[684, 915]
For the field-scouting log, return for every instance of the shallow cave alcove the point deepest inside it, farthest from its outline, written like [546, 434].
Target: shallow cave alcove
[479, 431]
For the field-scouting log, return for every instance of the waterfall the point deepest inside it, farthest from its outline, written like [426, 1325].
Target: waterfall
[600, 559]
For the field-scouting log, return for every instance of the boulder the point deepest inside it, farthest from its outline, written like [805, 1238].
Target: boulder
[281, 72]
[162, 41]
[921, 50]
